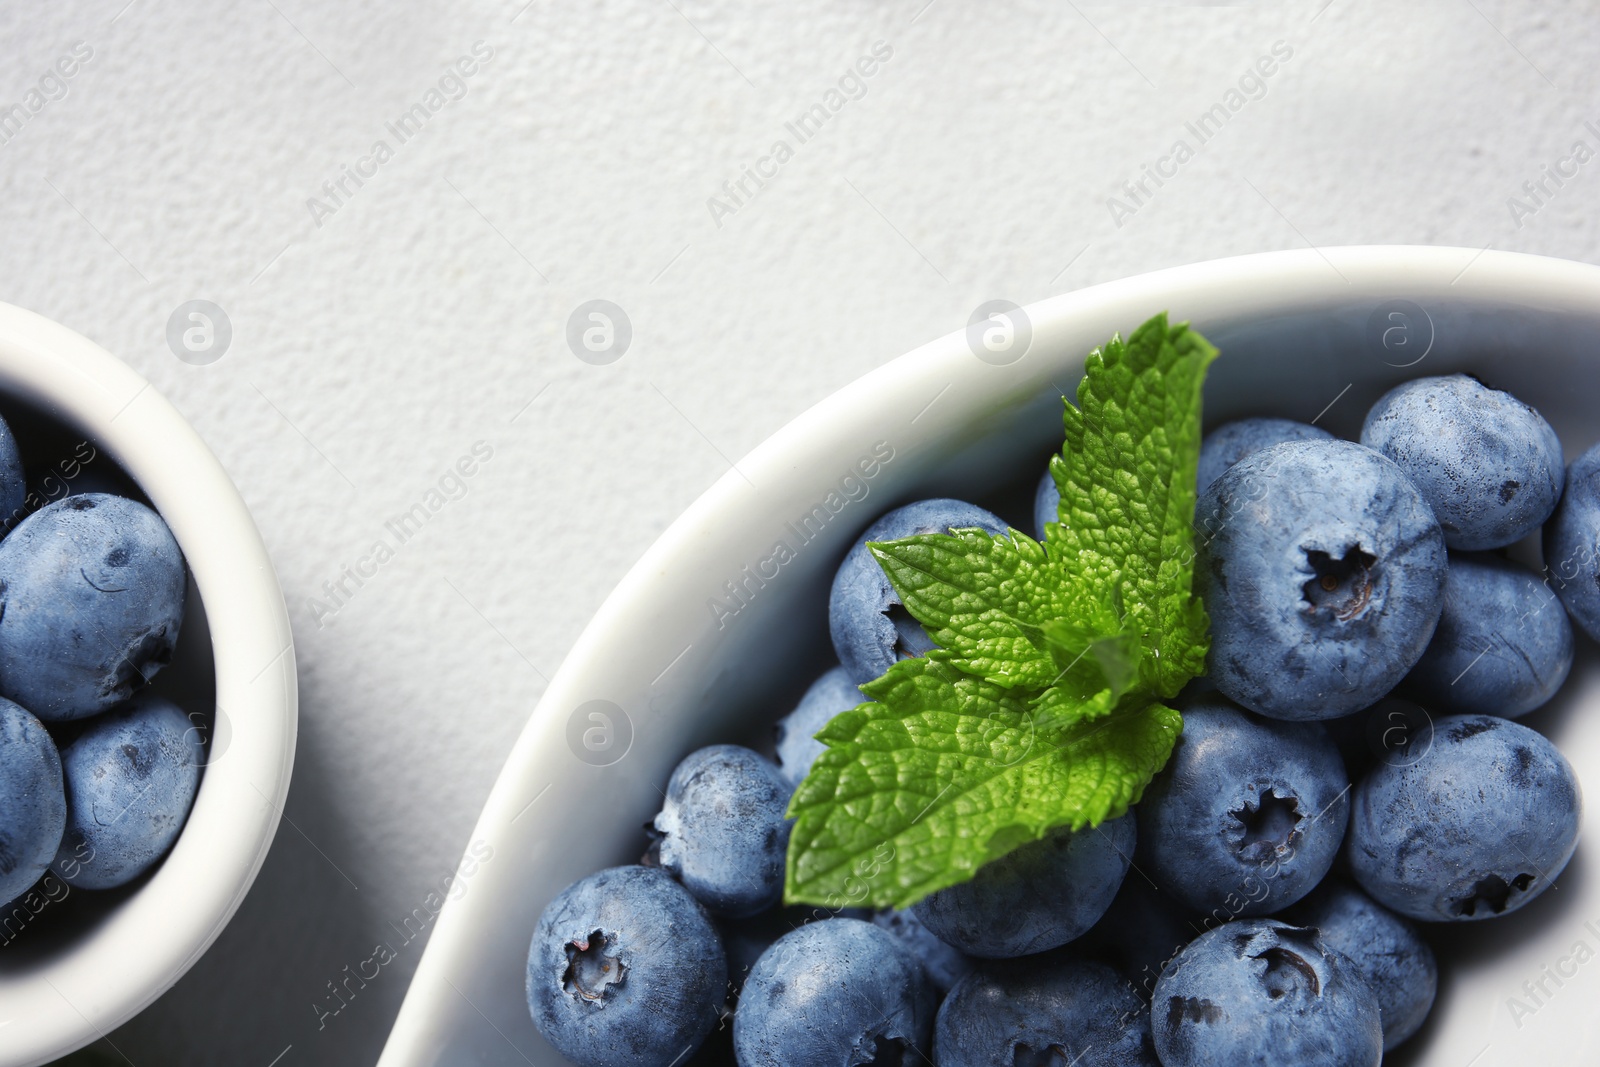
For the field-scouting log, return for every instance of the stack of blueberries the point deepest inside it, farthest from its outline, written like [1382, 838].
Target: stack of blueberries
[96, 777]
[1361, 585]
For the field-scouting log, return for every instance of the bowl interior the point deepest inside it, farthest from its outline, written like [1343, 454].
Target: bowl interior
[75, 964]
[708, 640]
[58, 463]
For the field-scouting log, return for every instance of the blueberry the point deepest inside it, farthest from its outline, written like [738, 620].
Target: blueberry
[625, 970]
[1044, 1011]
[1386, 731]
[1046, 504]
[798, 747]
[1323, 572]
[1143, 929]
[722, 828]
[91, 595]
[13, 484]
[1476, 825]
[744, 939]
[1248, 814]
[1232, 441]
[1260, 993]
[1572, 543]
[1503, 646]
[831, 993]
[945, 965]
[870, 628]
[33, 805]
[1042, 895]
[1488, 464]
[131, 776]
[1397, 964]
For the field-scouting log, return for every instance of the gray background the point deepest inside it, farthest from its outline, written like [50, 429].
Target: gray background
[429, 310]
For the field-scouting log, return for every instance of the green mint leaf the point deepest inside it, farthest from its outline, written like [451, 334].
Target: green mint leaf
[1114, 656]
[988, 602]
[1126, 473]
[1044, 703]
[944, 771]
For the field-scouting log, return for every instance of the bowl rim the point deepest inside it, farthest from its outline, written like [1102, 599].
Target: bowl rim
[53, 1005]
[1257, 285]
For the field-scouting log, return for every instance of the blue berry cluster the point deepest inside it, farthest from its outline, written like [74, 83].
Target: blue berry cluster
[1264, 902]
[96, 774]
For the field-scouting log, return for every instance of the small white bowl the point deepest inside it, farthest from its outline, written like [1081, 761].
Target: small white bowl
[1312, 334]
[88, 970]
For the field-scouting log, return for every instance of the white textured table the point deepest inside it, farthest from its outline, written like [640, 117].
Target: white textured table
[398, 311]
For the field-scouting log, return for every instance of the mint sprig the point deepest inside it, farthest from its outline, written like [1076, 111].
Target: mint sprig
[1126, 473]
[1044, 704]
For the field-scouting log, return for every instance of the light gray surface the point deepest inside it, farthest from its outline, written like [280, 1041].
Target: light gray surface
[427, 311]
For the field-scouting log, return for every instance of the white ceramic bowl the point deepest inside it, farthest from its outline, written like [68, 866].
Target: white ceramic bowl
[1299, 331]
[87, 963]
